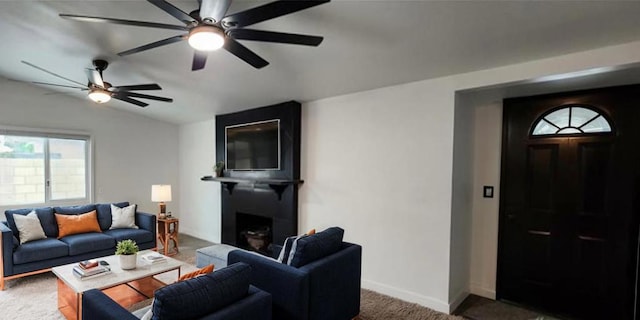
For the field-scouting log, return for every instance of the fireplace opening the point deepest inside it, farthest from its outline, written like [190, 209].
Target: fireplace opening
[254, 233]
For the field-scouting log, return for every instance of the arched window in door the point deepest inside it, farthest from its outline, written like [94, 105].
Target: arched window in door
[572, 119]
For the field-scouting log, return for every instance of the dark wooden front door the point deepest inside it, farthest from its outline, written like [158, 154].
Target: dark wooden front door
[568, 241]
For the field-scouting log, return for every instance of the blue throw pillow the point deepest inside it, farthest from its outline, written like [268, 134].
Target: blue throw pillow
[197, 297]
[104, 213]
[45, 215]
[75, 209]
[319, 245]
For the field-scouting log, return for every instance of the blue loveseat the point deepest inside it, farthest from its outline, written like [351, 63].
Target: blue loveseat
[221, 295]
[322, 281]
[19, 260]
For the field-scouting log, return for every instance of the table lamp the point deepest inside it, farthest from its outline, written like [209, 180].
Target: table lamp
[161, 193]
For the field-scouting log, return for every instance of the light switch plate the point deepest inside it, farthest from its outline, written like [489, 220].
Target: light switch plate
[487, 191]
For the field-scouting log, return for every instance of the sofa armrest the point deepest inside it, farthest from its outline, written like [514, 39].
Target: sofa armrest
[289, 286]
[98, 306]
[7, 249]
[335, 282]
[147, 222]
[255, 306]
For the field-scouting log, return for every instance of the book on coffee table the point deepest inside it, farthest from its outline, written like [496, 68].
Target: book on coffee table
[90, 272]
[153, 258]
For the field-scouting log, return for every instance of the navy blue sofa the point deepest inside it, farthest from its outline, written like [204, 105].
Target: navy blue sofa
[323, 281]
[19, 260]
[221, 295]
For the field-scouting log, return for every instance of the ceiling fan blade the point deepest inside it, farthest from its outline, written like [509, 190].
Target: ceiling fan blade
[268, 11]
[145, 96]
[153, 45]
[51, 73]
[150, 86]
[172, 10]
[59, 85]
[125, 22]
[94, 77]
[243, 53]
[127, 99]
[270, 36]
[199, 60]
[214, 9]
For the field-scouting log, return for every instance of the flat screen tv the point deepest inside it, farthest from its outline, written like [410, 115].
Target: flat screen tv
[253, 146]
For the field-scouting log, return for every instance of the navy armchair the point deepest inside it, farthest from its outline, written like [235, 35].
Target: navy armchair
[224, 294]
[326, 288]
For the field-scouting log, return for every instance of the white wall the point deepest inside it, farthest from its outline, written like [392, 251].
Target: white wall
[487, 144]
[200, 210]
[461, 203]
[380, 164]
[130, 153]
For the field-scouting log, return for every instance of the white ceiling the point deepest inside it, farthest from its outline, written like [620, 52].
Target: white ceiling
[368, 44]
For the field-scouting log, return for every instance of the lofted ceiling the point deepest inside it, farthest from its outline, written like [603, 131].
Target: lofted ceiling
[368, 44]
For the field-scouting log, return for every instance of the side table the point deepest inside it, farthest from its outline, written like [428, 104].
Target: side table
[168, 232]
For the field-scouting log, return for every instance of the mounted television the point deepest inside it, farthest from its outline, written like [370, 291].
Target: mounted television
[253, 146]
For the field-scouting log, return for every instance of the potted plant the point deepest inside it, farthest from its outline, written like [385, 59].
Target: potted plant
[127, 250]
[218, 168]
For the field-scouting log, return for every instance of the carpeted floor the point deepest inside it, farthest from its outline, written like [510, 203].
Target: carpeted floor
[35, 297]
[375, 306]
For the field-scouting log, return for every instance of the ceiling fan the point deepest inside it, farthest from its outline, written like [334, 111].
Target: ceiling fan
[101, 91]
[209, 28]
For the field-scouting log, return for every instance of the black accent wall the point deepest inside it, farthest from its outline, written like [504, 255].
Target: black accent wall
[255, 198]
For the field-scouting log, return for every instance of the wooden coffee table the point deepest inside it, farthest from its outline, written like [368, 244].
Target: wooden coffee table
[126, 287]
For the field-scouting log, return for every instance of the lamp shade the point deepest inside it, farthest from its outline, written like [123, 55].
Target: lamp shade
[161, 192]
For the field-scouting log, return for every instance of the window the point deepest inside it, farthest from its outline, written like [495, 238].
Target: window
[575, 119]
[37, 168]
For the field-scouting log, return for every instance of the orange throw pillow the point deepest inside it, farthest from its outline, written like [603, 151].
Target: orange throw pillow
[311, 232]
[193, 274]
[77, 223]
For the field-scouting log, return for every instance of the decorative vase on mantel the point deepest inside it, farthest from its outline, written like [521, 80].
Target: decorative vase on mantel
[128, 261]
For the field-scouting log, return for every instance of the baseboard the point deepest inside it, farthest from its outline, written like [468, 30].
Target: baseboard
[405, 295]
[459, 298]
[483, 292]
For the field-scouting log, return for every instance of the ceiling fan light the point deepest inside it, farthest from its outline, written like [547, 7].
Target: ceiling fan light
[206, 38]
[99, 95]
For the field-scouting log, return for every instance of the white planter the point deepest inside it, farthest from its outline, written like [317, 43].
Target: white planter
[128, 261]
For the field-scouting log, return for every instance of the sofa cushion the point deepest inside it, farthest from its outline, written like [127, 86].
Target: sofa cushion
[75, 209]
[29, 227]
[88, 242]
[104, 213]
[47, 220]
[137, 235]
[123, 218]
[69, 224]
[193, 298]
[314, 247]
[39, 250]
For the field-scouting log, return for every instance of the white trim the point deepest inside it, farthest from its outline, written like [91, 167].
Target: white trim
[405, 295]
[478, 290]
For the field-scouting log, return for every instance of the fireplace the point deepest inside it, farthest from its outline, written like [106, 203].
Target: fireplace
[253, 232]
[258, 207]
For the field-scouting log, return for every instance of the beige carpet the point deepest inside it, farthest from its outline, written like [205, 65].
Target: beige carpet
[375, 306]
[35, 297]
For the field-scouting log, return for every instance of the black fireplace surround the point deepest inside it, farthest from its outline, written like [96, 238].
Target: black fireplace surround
[256, 213]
